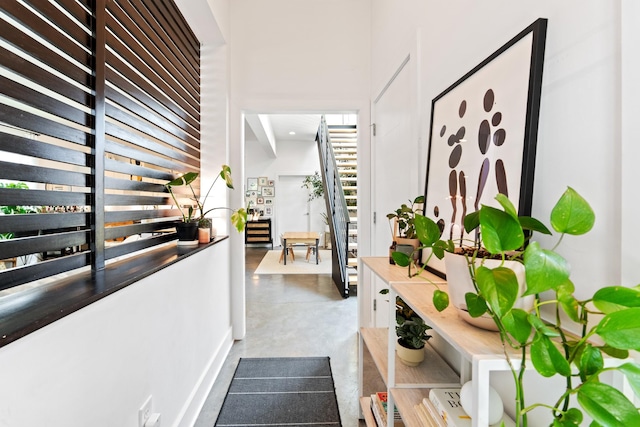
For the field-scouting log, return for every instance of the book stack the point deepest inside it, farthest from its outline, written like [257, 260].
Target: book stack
[443, 409]
[379, 409]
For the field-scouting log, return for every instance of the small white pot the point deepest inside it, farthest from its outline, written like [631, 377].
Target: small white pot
[409, 356]
[459, 281]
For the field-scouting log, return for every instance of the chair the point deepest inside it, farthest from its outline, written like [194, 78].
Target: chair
[311, 250]
[286, 251]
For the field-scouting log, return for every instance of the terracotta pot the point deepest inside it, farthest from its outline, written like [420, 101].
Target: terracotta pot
[409, 356]
[459, 281]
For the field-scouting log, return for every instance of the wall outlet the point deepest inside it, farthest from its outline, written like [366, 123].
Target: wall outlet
[144, 412]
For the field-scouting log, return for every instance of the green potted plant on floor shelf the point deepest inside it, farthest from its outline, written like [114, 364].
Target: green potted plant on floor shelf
[195, 211]
[608, 321]
[411, 332]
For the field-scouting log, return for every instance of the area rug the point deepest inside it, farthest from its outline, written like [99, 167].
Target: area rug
[281, 391]
[270, 264]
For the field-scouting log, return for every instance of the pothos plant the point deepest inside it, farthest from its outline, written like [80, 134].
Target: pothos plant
[544, 343]
[405, 217]
[238, 216]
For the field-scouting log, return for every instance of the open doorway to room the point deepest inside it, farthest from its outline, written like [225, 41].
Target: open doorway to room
[281, 150]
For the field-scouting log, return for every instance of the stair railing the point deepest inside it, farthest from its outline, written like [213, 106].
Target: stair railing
[337, 212]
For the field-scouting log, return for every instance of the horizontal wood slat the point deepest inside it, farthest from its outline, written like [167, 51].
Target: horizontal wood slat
[42, 243]
[32, 222]
[131, 152]
[12, 196]
[17, 172]
[42, 77]
[41, 270]
[156, 214]
[75, 31]
[125, 248]
[41, 150]
[43, 54]
[44, 103]
[37, 124]
[136, 170]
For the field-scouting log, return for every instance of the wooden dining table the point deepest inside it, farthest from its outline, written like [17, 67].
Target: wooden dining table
[300, 237]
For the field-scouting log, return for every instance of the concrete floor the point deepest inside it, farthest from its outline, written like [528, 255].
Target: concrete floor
[289, 316]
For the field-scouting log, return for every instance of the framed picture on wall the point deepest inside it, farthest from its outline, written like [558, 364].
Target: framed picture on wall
[252, 183]
[268, 211]
[262, 181]
[483, 134]
[260, 200]
[268, 191]
[271, 183]
[268, 201]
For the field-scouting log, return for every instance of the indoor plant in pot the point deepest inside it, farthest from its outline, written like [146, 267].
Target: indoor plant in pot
[411, 332]
[542, 339]
[196, 212]
[402, 226]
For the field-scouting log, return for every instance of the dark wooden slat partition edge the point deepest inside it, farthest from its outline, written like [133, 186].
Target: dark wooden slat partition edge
[149, 131]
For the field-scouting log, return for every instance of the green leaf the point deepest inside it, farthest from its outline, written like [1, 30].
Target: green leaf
[440, 247]
[239, 219]
[615, 352]
[418, 200]
[591, 360]
[532, 224]
[476, 305]
[225, 174]
[607, 405]
[507, 205]
[547, 359]
[621, 329]
[185, 179]
[573, 417]
[615, 298]
[516, 322]
[440, 300]
[471, 221]
[427, 230]
[541, 327]
[499, 287]
[567, 301]
[400, 258]
[544, 269]
[632, 372]
[572, 214]
[500, 231]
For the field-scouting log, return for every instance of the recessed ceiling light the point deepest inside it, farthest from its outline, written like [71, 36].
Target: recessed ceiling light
[292, 133]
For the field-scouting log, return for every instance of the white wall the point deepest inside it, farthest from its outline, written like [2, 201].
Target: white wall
[166, 336]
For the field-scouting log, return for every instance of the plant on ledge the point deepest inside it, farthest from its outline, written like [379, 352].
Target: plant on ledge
[238, 216]
[544, 343]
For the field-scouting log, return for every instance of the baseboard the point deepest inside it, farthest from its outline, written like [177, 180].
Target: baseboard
[198, 396]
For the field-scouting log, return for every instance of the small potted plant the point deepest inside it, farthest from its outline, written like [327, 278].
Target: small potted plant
[411, 332]
[196, 212]
[402, 226]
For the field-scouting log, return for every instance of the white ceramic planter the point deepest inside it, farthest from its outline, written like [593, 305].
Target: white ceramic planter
[410, 356]
[459, 280]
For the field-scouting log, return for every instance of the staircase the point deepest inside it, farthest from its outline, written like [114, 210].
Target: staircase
[344, 140]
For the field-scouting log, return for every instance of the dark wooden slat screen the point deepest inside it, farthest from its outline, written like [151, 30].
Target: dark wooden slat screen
[116, 78]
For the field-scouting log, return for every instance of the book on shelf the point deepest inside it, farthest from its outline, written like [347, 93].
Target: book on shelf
[426, 419]
[433, 413]
[446, 401]
[379, 409]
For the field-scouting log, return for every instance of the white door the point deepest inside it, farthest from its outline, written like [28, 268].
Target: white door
[292, 209]
[396, 178]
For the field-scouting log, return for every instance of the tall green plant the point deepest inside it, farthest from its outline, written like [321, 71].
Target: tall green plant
[550, 349]
[238, 216]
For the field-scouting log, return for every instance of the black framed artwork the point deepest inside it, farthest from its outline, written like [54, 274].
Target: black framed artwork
[483, 134]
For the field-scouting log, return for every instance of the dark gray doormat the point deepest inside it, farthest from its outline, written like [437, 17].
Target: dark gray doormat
[282, 391]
